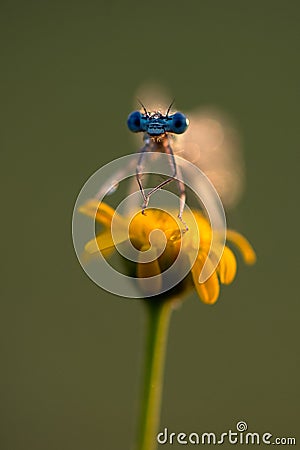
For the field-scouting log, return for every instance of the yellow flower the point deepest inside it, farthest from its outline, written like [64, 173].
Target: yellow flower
[138, 230]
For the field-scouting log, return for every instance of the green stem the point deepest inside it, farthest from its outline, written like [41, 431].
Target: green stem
[158, 325]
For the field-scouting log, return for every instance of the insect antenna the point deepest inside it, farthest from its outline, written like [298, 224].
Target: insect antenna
[172, 103]
[144, 108]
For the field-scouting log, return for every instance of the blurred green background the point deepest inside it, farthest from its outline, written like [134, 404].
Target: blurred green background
[70, 352]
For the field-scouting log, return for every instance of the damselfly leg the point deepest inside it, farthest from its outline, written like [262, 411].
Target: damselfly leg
[176, 175]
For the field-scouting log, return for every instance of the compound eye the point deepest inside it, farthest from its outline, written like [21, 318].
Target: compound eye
[134, 122]
[179, 123]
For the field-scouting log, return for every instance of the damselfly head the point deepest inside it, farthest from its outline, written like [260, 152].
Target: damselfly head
[156, 123]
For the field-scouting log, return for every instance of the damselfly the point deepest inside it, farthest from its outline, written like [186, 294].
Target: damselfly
[157, 128]
[207, 139]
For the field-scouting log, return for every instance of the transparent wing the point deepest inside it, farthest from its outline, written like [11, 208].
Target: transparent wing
[212, 143]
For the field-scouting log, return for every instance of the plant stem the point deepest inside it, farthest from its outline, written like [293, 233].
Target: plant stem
[159, 313]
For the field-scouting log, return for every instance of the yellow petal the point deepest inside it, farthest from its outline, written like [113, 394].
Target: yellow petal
[102, 242]
[147, 270]
[105, 241]
[101, 212]
[209, 290]
[243, 245]
[88, 257]
[141, 225]
[227, 266]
